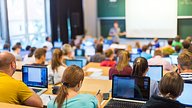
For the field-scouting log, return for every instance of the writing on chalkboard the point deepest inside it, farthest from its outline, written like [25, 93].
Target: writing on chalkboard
[186, 2]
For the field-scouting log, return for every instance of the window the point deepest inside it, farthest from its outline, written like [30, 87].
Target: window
[27, 21]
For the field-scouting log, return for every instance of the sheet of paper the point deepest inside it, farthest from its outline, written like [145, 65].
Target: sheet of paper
[46, 98]
[94, 70]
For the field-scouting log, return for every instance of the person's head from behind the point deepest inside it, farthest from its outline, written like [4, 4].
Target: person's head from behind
[189, 38]
[28, 47]
[140, 66]
[124, 58]
[177, 38]
[67, 50]
[6, 46]
[116, 24]
[144, 48]
[171, 85]
[99, 48]
[170, 41]
[186, 44]
[57, 59]
[158, 52]
[185, 62]
[109, 54]
[7, 63]
[137, 44]
[32, 50]
[72, 80]
[177, 48]
[16, 49]
[40, 56]
[48, 39]
[19, 44]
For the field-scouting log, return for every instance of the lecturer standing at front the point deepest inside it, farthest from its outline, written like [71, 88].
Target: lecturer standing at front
[115, 32]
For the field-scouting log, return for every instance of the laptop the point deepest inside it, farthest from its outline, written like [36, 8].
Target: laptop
[58, 44]
[129, 91]
[74, 62]
[84, 60]
[89, 50]
[35, 77]
[168, 59]
[80, 52]
[48, 55]
[174, 59]
[134, 56]
[155, 72]
[186, 95]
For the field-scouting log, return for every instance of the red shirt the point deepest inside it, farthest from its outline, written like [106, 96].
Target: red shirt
[127, 70]
[108, 63]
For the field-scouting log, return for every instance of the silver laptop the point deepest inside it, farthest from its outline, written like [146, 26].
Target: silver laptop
[186, 96]
[35, 77]
[155, 72]
[129, 89]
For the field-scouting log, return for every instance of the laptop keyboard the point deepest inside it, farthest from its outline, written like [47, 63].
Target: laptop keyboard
[36, 90]
[123, 104]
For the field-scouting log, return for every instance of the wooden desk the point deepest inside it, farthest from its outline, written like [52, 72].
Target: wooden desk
[105, 70]
[7, 105]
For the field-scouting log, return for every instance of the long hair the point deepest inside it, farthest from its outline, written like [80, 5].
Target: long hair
[72, 76]
[124, 57]
[56, 59]
[140, 65]
[32, 50]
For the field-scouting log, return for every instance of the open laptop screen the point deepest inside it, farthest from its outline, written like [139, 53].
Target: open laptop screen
[186, 96]
[74, 62]
[134, 56]
[131, 87]
[174, 59]
[57, 44]
[79, 52]
[35, 76]
[155, 72]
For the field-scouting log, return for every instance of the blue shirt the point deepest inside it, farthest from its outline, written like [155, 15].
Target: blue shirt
[79, 101]
[145, 55]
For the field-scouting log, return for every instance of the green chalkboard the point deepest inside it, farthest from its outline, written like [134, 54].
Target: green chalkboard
[107, 8]
[185, 27]
[106, 25]
[184, 7]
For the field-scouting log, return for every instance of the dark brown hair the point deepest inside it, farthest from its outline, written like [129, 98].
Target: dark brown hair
[32, 50]
[40, 52]
[56, 59]
[108, 53]
[140, 65]
[72, 76]
[99, 48]
[184, 60]
[144, 48]
[171, 85]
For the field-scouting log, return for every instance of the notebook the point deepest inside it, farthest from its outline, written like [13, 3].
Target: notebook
[80, 52]
[35, 77]
[134, 56]
[174, 59]
[74, 62]
[186, 95]
[155, 72]
[129, 89]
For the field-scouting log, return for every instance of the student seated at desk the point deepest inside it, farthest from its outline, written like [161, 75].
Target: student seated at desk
[122, 67]
[109, 54]
[171, 87]
[30, 59]
[67, 51]
[16, 51]
[185, 65]
[13, 91]
[68, 96]
[98, 57]
[57, 67]
[140, 68]
[40, 56]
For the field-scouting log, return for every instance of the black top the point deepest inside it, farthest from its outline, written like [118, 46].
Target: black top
[160, 102]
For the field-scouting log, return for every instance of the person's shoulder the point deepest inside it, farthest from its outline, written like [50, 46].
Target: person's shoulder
[86, 97]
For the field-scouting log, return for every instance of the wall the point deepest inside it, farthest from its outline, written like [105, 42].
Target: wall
[90, 16]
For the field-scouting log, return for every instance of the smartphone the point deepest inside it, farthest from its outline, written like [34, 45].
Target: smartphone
[105, 96]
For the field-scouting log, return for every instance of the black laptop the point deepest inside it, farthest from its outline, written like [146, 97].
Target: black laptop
[129, 91]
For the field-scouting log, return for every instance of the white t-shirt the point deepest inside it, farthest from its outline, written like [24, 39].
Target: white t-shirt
[28, 60]
[56, 75]
[49, 45]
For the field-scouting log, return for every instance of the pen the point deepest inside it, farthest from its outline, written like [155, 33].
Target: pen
[98, 92]
[50, 97]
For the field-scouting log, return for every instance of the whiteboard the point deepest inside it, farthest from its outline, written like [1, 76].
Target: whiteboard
[151, 18]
